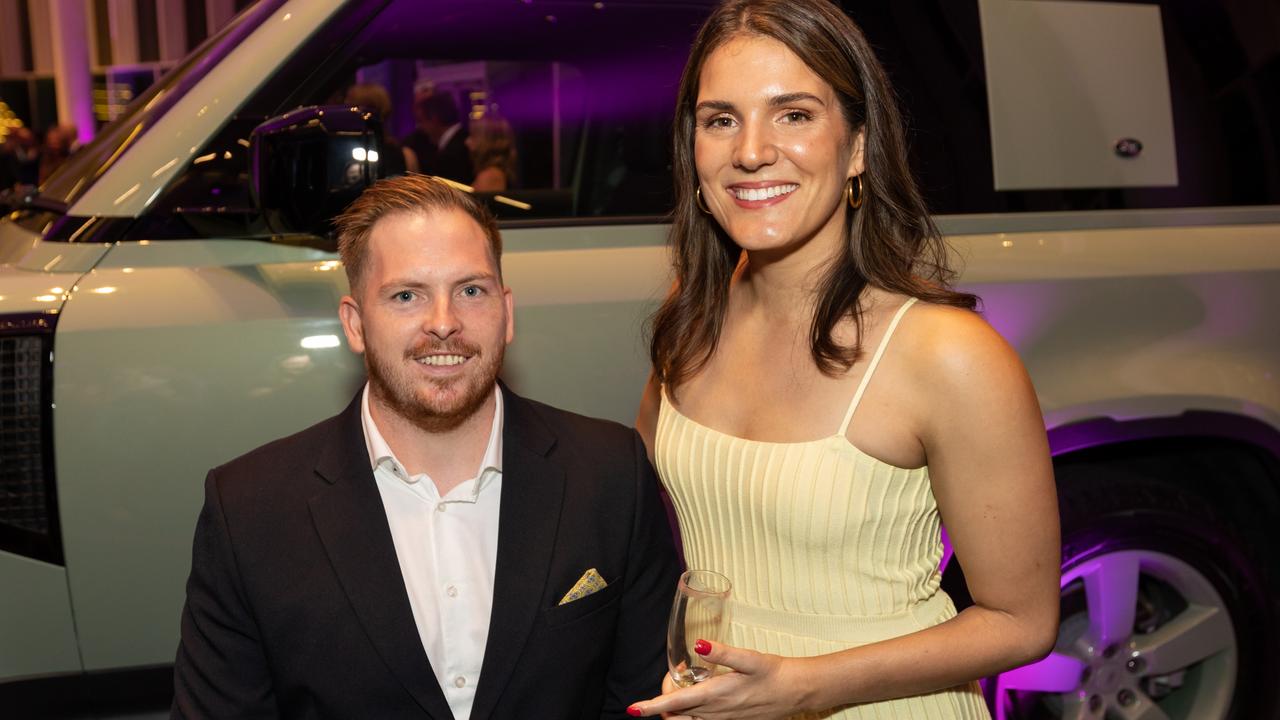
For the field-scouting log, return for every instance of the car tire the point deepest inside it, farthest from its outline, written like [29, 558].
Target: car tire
[1165, 612]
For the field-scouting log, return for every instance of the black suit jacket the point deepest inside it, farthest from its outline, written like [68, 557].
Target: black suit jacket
[454, 159]
[425, 148]
[296, 606]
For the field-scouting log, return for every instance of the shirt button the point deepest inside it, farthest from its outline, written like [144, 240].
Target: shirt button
[440, 507]
[459, 682]
[451, 591]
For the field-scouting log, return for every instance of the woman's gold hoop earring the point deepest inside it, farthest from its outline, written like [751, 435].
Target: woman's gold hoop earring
[854, 202]
[697, 199]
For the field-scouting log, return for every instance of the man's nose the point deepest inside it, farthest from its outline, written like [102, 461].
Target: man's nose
[442, 321]
[755, 146]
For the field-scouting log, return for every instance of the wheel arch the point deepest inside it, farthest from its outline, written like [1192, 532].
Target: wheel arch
[1228, 459]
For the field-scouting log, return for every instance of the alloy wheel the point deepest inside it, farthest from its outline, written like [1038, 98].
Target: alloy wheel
[1143, 636]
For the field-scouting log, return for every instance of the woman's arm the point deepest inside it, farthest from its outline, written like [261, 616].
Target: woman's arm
[989, 465]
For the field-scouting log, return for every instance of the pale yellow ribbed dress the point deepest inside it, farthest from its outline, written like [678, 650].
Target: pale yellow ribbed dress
[827, 547]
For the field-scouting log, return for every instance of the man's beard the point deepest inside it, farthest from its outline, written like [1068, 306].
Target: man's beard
[418, 400]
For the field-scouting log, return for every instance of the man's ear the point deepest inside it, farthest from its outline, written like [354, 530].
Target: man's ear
[511, 314]
[352, 327]
[857, 163]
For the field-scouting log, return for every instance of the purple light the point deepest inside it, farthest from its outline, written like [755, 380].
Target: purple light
[947, 552]
[1025, 314]
[1057, 673]
[1191, 424]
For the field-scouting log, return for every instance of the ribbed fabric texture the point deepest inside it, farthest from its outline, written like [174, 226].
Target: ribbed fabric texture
[827, 547]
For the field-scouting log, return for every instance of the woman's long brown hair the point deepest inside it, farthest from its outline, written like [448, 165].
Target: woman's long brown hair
[891, 242]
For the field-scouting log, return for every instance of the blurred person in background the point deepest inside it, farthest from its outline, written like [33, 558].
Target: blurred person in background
[22, 158]
[59, 142]
[440, 121]
[420, 141]
[493, 153]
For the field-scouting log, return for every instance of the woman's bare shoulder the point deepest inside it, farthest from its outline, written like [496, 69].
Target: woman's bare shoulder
[948, 347]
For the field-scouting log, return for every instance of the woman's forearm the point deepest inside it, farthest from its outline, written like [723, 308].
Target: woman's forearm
[976, 643]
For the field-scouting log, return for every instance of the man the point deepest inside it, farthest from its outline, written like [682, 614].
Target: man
[440, 128]
[419, 140]
[443, 548]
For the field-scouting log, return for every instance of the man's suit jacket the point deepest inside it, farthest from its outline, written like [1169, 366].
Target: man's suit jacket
[296, 606]
[425, 148]
[454, 159]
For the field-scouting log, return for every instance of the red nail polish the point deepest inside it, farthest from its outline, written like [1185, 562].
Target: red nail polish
[634, 711]
[702, 647]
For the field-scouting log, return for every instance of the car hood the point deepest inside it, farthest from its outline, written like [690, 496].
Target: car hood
[24, 292]
[38, 276]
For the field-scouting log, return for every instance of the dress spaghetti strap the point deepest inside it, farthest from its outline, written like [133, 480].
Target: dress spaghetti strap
[875, 360]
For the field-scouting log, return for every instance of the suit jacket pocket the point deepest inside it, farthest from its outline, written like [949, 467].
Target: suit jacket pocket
[570, 611]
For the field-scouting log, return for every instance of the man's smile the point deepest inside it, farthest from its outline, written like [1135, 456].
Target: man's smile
[442, 360]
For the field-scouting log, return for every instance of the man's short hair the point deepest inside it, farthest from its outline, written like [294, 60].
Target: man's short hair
[438, 105]
[405, 194]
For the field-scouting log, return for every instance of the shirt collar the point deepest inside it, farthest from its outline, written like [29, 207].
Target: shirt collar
[448, 134]
[380, 451]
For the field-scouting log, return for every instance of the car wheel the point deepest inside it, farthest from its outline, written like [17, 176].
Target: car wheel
[1162, 615]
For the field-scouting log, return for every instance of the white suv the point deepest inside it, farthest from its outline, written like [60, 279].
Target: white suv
[168, 299]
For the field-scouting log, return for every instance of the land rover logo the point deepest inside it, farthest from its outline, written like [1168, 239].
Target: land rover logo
[1128, 147]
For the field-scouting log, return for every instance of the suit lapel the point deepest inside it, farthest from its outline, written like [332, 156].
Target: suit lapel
[352, 525]
[532, 492]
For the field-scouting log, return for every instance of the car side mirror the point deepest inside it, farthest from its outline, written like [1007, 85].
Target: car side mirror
[311, 163]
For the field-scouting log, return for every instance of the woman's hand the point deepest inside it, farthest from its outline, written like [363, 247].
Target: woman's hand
[668, 686]
[758, 687]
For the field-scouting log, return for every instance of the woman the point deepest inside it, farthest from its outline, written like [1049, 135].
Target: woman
[493, 153]
[821, 396]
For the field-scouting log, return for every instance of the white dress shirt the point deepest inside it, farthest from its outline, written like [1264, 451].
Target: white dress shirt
[448, 549]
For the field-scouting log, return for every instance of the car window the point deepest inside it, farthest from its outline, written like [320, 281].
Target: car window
[566, 106]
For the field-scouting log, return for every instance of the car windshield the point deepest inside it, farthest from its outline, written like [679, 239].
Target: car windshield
[75, 176]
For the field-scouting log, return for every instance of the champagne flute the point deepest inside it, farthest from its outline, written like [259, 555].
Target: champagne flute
[700, 612]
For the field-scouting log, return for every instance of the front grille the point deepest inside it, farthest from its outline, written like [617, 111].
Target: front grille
[28, 505]
[23, 502]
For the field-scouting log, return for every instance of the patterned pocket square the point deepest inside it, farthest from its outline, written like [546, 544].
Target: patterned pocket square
[589, 583]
